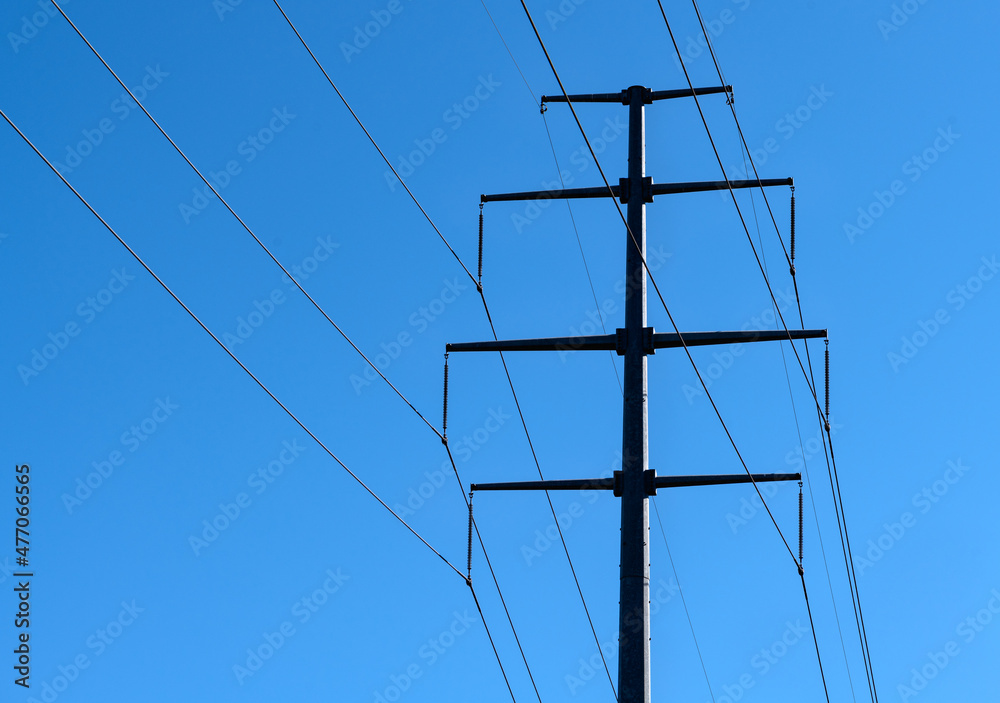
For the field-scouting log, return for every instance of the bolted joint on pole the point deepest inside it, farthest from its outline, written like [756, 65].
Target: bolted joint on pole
[625, 189]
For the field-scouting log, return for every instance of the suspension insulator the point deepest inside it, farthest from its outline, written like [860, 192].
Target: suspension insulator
[791, 268]
[827, 360]
[480, 245]
[800, 524]
[469, 566]
[444, 422]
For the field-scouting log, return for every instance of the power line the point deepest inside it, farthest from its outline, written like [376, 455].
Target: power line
[375, 144]
[241, 221]
[855, 594]
[586, 268]
[224, 347]
[489, 563]
[805, 463]
[770, 291]
[680, 592]
[538, 467]
[732, 194]
[478, 287]
[562, 183]
[732, 106]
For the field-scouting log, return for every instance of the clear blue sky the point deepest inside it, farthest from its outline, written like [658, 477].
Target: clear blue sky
[881, 112]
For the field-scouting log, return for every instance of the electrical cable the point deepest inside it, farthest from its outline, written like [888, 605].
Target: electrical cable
[240, 220]
[790, 259]
[224, 347]
[680, 592]
[374, 143]
[562, 184]
[798, 431]
[457, 258]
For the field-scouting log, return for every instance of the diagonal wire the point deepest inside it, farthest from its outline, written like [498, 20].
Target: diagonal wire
[858, 614]
[680, 591]
[766, 281]
[812, 626]
[739, 211]
[732, 106]
[805, 463]
[374, 143]
[509, 52]
[240, 220]
[478, 287]
[593, 291]
[219, 342]
[492, 643]
[562, 183]
[562, 538]
[489, 563]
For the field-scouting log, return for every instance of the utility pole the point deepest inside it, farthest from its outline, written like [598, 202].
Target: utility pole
[633, 616]
[635, 482]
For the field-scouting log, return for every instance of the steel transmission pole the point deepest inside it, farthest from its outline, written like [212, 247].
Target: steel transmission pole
[635, 482]
[633, 636]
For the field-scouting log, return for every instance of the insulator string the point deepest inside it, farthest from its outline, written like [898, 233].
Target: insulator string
[791, 265]
[827, 360]
[469, 567]
[444, 421]
[480, 246]
[800, 526]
